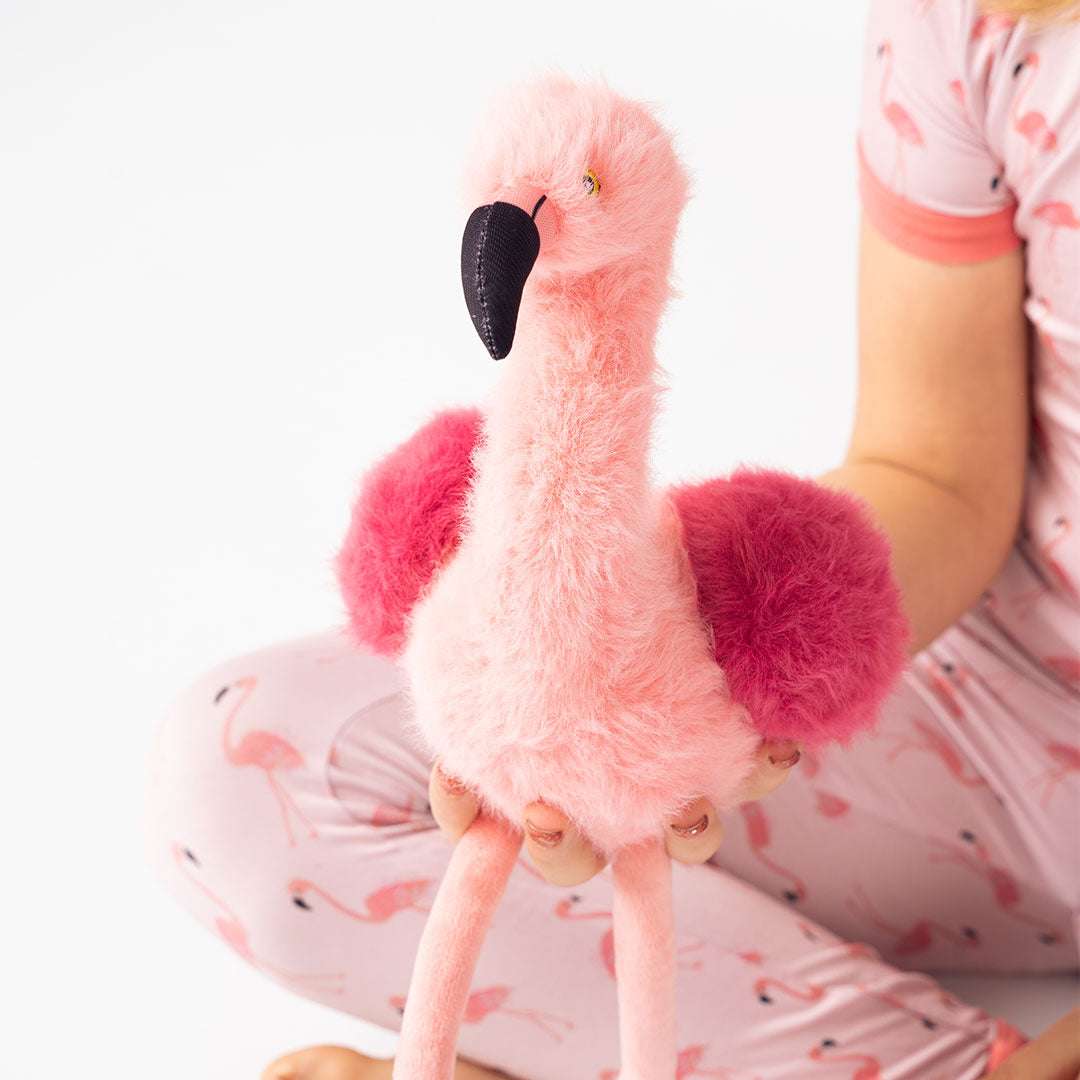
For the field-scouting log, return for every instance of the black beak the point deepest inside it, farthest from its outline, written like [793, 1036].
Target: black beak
[500, 245]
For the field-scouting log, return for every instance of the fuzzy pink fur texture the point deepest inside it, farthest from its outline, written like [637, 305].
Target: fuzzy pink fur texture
[547, 133]
[406, 521]
[794, 580]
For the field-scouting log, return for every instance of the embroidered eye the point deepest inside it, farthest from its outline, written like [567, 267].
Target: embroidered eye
[590, 183]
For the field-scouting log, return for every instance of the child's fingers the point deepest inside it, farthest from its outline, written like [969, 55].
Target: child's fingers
[775, 761]
[453, 805]
[695, 835]
[559, 851]
[563, 855]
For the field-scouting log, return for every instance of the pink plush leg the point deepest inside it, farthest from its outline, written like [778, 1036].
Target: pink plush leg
[645, 961]
[449, 947]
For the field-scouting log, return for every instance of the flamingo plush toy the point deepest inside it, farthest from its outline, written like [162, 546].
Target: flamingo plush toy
[571, 633]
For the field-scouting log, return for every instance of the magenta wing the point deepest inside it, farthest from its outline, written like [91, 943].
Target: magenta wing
[407, 519]
[795, 580]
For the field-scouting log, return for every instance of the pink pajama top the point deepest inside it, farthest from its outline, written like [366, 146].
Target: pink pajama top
[969, 147]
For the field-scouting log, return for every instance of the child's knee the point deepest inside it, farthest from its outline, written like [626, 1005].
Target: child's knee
[269, 763]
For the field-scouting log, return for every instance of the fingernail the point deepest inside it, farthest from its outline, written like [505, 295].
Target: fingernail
[545, 838]
[454, 788]
[785, 763]
[692, 830]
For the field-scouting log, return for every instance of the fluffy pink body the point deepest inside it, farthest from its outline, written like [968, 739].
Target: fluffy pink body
[562, 654]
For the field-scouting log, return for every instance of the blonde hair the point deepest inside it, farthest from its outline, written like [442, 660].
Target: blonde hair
[1040, 11]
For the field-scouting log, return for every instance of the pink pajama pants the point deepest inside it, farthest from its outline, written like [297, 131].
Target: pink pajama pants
[288, 814]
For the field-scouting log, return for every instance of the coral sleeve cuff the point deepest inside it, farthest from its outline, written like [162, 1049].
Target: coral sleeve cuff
[943, 238]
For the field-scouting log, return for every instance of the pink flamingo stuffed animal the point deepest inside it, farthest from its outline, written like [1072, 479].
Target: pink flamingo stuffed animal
[571, 633]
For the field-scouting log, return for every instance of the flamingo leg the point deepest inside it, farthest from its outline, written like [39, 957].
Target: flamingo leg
[901, 745]
[1033, 920]
[1052, 260]
[280, 796]
[1051, 779]
[296, 809]
[697, 965]
[449, 947]
[645, 958]
[1025, 603]
[282, 974]
[798, 891]
[534, 1016]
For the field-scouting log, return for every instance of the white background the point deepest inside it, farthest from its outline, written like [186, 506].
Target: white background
[229, 243]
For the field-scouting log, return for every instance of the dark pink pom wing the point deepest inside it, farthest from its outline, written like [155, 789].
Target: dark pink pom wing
[407, 519]
[795, 580]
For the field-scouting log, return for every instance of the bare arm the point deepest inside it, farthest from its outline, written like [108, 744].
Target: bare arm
[939, 446]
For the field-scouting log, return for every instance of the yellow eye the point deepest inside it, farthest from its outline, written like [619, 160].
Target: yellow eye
[590, 183]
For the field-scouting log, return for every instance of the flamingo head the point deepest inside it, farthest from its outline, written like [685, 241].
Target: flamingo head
[885, 49]
[183, 855]
[1031, 61]
[568, 179]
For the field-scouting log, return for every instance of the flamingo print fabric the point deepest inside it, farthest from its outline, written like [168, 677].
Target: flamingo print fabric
[805, 947]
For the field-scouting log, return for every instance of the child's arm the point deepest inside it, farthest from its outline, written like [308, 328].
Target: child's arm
[939, 446]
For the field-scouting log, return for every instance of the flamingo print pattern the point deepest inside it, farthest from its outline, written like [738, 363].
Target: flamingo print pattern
[920, 936]
[1053, 367]
[869, 1068]
[898, 118]
[1066, 758]
[233, 932]
[1004, 885]
[263, 749]
[1032, 125]
[381, 904]
[481, 1003]
[934, 742]
[1056, 215]
[946, 839]
[757, 831]
[753, 924]
[566, 909]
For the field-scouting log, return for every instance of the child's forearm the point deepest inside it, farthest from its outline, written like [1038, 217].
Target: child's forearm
[946, 551]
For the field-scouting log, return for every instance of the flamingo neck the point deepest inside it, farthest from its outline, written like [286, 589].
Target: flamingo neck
[1020, 96]
[306, 885]
[217, 900]
[567, 428]
[230, 749]
[1065, 529]
[882, 100]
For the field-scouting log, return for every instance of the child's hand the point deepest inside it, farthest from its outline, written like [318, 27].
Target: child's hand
[562, 854]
